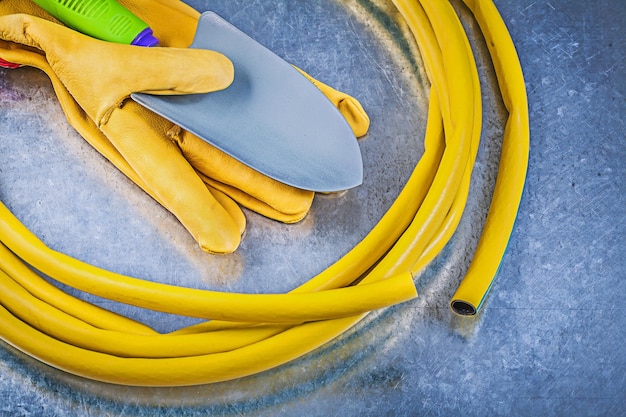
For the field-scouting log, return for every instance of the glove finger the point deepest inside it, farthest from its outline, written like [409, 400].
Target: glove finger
[135, 132]
[348, 106]
[231, 207]
[256, 205]
[215, 164]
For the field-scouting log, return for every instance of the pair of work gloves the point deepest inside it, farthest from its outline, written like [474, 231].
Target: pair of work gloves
[202, 186]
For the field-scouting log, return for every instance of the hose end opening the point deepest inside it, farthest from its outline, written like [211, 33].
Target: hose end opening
[463, 308]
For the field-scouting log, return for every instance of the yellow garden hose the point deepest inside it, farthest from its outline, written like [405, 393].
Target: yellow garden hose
[275, 308]
[513, 162]
[250, 333]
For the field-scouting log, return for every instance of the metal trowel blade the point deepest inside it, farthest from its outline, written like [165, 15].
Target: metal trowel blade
[270, 118]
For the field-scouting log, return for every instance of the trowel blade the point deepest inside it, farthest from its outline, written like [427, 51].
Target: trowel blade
[270, 118]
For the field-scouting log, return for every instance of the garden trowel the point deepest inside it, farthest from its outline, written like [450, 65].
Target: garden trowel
[270, 118]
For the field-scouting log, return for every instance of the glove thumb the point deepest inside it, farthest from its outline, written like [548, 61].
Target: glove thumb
[115, 71]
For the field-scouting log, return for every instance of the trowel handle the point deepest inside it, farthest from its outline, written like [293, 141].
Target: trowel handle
[103, 19]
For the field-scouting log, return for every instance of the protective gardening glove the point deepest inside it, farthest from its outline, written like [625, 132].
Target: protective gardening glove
[100, 88]
[272, 199]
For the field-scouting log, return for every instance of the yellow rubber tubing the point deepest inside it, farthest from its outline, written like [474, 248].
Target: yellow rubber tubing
[475, 286]
[180, 371]
[84, 311]
[66, 328]
[264, 308]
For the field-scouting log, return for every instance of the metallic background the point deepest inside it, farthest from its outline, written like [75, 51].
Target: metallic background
[550, 340]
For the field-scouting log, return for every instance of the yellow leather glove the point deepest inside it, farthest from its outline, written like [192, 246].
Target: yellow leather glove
[100, 88]
[174, 23]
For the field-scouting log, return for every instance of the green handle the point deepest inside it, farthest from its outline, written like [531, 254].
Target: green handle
[103, 19]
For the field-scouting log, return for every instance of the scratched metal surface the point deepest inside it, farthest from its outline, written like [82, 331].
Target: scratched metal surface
[550, 340]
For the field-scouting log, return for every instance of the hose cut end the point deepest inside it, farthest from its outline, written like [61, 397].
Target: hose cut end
[463, 308]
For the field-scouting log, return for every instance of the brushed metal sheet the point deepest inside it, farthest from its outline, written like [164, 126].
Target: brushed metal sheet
[550, 339]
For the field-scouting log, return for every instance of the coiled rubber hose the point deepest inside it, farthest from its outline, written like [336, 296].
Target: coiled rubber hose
[246, 333]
